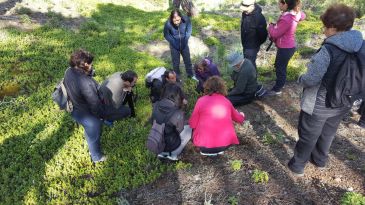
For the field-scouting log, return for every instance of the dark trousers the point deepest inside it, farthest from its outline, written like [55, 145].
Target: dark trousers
[283, 56]
[316, 134]
[175, 56]
[243, 99]
[213, 150]
[251, 54]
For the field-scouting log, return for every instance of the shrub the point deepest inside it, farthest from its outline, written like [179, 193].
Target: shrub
[259, 176]
[352, 198]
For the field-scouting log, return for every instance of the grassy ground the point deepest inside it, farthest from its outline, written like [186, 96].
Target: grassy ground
[43, 154]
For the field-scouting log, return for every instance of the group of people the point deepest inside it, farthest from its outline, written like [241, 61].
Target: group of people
[211, 122]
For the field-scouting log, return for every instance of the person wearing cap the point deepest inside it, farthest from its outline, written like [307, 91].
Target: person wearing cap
[253, 29]
[244, 78]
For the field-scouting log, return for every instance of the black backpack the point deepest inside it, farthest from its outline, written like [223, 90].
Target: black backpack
[349, 84]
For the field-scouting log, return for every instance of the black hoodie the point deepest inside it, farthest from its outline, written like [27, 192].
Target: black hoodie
[166, 111]
[253, 28]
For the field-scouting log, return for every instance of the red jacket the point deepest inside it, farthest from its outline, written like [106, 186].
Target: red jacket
[212, 123]
[283, 32]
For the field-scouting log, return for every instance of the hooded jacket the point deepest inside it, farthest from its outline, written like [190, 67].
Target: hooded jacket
[178, 36]
[244, 79]
[283, 32]
[166, 111]
[320, 67]
[253, 28]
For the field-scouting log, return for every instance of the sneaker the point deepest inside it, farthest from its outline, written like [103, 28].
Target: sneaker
[209, 154]
[164, 156]
[168, 156]
[220, 153]
[102, 159]
[272, 93]
[108, 123]
[320, 168]
[194, 78]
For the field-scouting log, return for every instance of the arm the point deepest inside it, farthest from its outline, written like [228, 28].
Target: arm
[189, 28]
[316, 68]
[178, 120]
[91, 96]
[261, 29]
[236, 116]
[167, 34]
[303, 16]
[240, 85]
[194, 119]
[279, 29]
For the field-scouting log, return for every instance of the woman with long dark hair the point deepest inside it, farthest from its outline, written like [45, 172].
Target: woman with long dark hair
[283, 35]
[177, 32]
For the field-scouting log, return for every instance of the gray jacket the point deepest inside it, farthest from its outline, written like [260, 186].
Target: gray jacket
[112, 90]
[350, 41]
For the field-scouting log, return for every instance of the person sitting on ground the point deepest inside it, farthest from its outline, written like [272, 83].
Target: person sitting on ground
[88, 107]
[117, 90]
[318, 119]
[168, 110]
[211, 110]
[203, 70]
[253, 29]
[245, 80]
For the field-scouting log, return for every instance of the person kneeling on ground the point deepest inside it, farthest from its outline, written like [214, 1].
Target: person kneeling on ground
[117, 91]
[245, 81]
[203, 70]
[211, 110]
[168, 111]
[88, 106]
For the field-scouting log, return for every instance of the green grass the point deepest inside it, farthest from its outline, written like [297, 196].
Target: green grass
[43, 153]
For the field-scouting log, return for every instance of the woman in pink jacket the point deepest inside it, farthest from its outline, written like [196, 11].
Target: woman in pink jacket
[211, 121]
[283, 35]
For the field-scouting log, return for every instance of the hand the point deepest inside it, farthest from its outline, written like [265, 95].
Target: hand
[243, 114]
[185, 102]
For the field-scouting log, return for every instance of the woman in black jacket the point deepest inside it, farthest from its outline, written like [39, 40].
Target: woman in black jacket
[168, 111]
[88, 108]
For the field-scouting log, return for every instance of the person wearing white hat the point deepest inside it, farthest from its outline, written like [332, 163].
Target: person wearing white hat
[253, 29]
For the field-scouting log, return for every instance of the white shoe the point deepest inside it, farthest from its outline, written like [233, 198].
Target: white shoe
[102, 159]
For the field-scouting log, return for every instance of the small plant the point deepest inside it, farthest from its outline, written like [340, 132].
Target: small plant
[182, 165]
[269, 139]
[232, 200]
[236, 165]
[351, 156]
[352, 198]
[259, 176]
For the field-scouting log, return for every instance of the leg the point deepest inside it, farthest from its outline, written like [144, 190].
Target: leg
[283, 56]
[320, 152]
[113, 114]
[175, 57]
[309, 130]
[185, 136]
[187, 61]
[92, 127]
[251, 54]
[243, 99]
[362, 113]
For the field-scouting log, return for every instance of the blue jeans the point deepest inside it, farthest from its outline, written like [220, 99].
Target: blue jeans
[92, 127]
[251, 54]
[175, 56]
[283, 55]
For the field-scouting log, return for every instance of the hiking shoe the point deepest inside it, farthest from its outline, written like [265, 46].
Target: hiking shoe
[295, 173]
[102, 159]
[320, 168]
[172, 157]
[272, 93]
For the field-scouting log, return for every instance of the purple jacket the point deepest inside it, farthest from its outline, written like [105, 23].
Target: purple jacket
[212, 70]
[283, 32]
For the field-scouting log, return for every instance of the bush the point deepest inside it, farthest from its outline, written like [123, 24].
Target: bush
[352, 198]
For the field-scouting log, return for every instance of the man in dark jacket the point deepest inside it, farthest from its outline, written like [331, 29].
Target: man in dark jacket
[245, 80]
[253, 29]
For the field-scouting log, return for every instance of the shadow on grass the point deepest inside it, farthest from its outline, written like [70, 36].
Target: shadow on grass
[24, 158]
